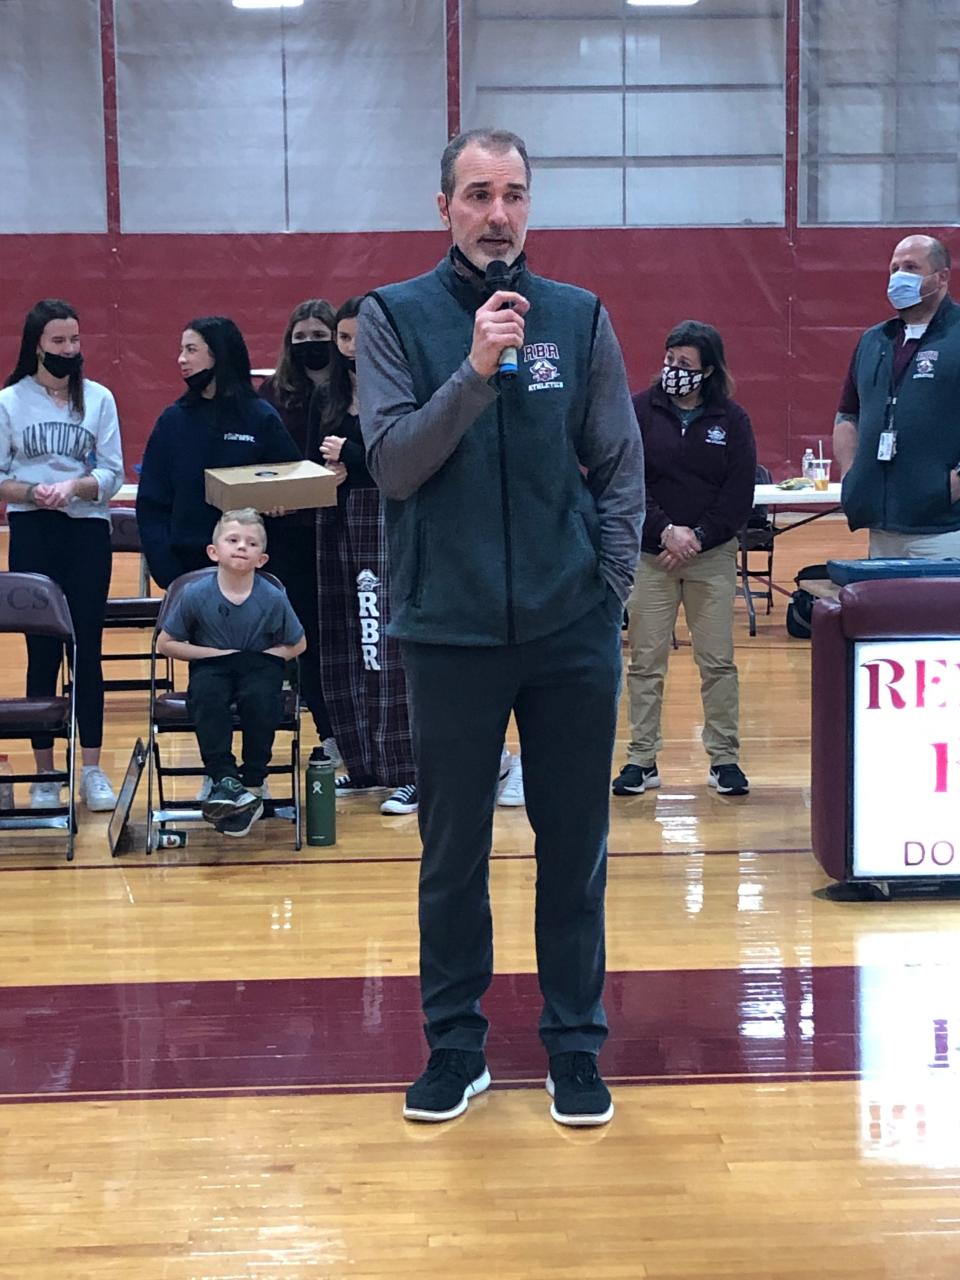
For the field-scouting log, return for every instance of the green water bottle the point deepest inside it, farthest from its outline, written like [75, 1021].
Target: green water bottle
[321, 799]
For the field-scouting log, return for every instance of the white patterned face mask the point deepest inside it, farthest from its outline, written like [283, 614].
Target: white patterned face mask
[680, 382]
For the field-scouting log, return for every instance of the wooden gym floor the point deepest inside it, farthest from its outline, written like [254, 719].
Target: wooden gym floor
[203, 1051]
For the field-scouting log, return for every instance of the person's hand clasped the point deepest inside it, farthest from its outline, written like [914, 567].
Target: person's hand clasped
[498, 324]
[54, 497]
[332, 447]
[339, 471]
[680, 545]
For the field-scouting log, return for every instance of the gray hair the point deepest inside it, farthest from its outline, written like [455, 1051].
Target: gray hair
[498, 140]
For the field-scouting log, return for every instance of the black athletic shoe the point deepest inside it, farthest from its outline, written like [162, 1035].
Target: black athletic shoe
[728, 779]
[452, 1078]
[227, 798]
[239, 824]
[634, 779]
[579, 1095]
[347, 786]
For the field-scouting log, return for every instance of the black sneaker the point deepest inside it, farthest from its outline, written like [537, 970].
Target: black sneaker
[227, 798]
[239, 824]
[728, 779]
[452, 1078]
[403, 800]
[634, 779]
[579, 1095]
[346, 786]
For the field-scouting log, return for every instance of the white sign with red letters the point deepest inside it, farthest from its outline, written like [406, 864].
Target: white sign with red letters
[906, 758]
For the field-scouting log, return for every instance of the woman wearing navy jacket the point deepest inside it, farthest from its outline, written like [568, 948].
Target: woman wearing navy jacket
[219, 422]
[700, 461]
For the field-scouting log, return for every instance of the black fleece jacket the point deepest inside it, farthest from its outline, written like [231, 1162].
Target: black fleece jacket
[702, 477]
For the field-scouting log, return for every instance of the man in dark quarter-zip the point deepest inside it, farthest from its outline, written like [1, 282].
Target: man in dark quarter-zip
[514, 506]
[896, 435]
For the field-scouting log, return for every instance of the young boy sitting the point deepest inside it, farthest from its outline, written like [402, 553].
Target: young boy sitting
[237, 631]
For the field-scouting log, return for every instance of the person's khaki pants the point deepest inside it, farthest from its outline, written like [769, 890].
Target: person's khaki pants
[706, 587]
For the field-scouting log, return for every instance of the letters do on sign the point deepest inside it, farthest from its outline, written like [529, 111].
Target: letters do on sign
[906, 758]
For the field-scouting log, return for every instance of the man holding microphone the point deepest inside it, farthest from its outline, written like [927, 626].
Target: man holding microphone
[514, 505]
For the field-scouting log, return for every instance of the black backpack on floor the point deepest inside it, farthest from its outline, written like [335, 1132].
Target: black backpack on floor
[800, 608]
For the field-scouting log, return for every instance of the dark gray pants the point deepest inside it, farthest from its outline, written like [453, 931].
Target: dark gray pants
[563, 689]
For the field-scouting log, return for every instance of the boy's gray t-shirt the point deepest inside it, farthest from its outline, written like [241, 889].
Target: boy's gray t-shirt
[203, 615]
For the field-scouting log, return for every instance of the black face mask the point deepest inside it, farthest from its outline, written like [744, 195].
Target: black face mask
[201, 380]
[61, 366]
[313, 354]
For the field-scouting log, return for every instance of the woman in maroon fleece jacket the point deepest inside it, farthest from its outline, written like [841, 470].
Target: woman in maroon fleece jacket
[700, 461]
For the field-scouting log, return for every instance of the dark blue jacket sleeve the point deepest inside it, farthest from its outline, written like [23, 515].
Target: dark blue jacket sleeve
[278, 444]
[155, 506]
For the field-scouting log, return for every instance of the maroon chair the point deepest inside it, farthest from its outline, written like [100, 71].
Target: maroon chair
[31, 604]
[883, 609]
[169, 714]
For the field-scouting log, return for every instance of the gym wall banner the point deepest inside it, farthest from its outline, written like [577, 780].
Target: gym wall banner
[906, 758]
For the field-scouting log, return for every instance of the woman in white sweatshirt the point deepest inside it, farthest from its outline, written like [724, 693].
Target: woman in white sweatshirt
[60, 464]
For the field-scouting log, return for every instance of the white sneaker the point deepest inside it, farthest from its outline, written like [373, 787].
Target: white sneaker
[95, 790]
[511, 793]
[506, 758]
[332, 751]
[206, 786]
[45, 795]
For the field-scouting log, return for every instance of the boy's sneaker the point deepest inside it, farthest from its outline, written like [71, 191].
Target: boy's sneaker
[403, 800]
[728, 779]
[332, 751]
[239, 824]
[579, 1095]
[96, 791]
[452, 1078]
[345, 786]
[228, 798]
[634, 779]
[45, 795]
[511, 793]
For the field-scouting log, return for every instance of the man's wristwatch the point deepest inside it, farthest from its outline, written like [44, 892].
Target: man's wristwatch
[699, 534]
[663, 535]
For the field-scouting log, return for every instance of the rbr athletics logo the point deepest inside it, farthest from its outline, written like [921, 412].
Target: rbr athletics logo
[542, 357]
[368, 586]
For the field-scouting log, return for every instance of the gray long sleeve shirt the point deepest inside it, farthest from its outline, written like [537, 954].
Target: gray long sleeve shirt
[408, 443]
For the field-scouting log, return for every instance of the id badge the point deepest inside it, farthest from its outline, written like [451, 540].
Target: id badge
[887, 446]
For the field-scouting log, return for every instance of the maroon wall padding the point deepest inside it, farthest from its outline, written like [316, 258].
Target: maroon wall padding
[829, 738]
[892, 607]
[789, 307]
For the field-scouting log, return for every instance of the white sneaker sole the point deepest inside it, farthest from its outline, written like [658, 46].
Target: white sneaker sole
[726, 791]
[437, 1117]
[648, 784]
[254, 815]
[392, 808]
[577, 1121]
[511, 801]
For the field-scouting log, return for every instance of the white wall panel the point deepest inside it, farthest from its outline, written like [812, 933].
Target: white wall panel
[559, 123]
[577, 196]
[695, 50]
[51, 117]
[704, 195]
[750, 122]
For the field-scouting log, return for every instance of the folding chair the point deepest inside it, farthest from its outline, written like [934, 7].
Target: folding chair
[169, 715]
[131, 613]
[31, 604]
[757, 537]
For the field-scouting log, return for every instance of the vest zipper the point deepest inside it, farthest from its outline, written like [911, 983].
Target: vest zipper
[505, 504]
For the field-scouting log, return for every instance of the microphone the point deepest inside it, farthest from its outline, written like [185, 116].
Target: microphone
[497, 276]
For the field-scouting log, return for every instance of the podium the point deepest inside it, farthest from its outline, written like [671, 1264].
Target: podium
[885, 730]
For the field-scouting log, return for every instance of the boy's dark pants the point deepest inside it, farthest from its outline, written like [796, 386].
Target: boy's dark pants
[253, 684]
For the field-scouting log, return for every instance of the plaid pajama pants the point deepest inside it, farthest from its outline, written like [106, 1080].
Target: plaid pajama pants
[361, 671]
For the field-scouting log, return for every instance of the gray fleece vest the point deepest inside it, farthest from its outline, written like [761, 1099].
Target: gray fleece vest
[501, 544]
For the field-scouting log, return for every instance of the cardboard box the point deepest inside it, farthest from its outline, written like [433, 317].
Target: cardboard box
[291, 485]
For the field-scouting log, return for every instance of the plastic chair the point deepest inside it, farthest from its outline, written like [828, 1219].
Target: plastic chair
[169, 714]
[32, 604]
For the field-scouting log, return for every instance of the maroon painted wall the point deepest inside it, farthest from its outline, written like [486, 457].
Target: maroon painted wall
[789, 313]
